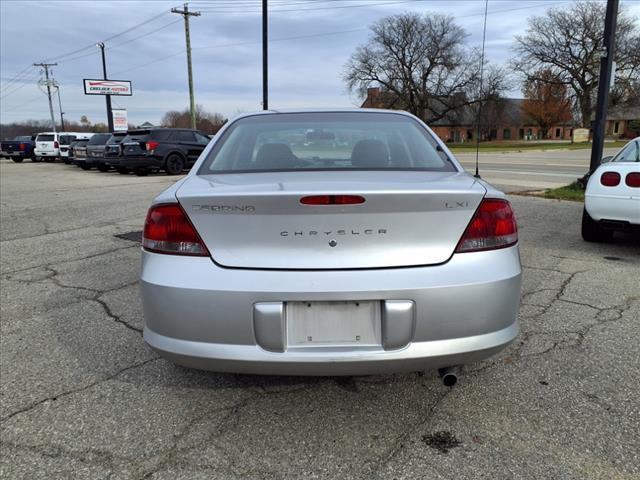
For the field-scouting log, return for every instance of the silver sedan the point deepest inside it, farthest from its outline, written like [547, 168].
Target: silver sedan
[329, 243]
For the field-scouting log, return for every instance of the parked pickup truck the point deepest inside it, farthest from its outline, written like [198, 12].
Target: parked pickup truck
[19, 148]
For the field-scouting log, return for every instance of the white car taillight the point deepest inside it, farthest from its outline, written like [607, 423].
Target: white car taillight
[168, 230]
[633, 180]
[492, 226]
[610, 179]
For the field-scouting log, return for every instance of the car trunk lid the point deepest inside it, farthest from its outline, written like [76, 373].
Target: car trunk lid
[256, 220]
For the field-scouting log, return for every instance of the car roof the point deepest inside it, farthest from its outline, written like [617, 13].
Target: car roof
[324, 110]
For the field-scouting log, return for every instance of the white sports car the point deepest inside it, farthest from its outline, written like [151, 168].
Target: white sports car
[612, 198]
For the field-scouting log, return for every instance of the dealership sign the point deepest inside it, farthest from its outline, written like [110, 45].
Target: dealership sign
[120, 123]
[107, 87]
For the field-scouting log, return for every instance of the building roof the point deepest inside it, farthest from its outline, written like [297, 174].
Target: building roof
[624, 112]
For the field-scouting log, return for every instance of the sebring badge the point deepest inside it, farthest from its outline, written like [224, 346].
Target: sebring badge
[225, 208]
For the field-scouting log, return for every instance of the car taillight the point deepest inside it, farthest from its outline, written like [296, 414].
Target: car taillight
[22, 147]
[492, 226]
[168, 230]
[56, 145]
[610, 179]
[151, 146]
[633, 180]
[332, 200]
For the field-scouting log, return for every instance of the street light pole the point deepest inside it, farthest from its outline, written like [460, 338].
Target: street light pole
[606, 67]
[265, 59]
[107, 97]
[61, 112]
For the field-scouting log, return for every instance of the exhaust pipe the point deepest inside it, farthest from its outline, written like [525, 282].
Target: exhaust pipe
[448, 376]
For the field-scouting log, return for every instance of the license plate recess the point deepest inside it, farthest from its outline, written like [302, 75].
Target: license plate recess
[325, 324]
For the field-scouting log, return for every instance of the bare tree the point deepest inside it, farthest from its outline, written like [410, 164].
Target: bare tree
[206, 122]
[569, 42]
[422, 65]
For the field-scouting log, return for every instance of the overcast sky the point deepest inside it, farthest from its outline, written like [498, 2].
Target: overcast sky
[310, 42]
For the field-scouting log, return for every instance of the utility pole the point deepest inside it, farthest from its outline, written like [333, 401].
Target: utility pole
[48, 84]
[186, 14]
[606, 67]
[265, 57]
[107, 97]
[60, 105]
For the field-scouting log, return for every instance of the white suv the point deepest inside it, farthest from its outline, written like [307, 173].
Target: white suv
[47, 147]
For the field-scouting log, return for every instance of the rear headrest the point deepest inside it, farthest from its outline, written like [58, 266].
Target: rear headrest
[370, 153]
[275, 155]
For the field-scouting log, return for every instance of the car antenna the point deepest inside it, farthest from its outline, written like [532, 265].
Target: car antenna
[484, 36]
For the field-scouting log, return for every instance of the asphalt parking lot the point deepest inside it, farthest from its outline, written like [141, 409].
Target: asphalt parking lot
[82, 396]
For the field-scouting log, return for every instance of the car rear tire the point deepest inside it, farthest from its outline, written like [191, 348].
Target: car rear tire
[49, 159]
[122, 170]
[174, 164]
[36, 159]
[141, 172]
[102, 167]
[592, 231]
[17, 160]
[84, 167]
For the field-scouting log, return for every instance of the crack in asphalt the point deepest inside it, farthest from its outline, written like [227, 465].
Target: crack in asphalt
[96, 293]
[171, 456]
[76, 390]
[582, 333]
[62, 262]
[400, 442]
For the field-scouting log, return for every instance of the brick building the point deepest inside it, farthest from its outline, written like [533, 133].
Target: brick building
[503, 119]
[619, 121]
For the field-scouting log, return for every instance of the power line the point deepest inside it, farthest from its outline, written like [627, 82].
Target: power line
[18, 107]
[18, 86]
[298, 37]
[118, 45]
[15, 78]
[361, 5]
[109, 38]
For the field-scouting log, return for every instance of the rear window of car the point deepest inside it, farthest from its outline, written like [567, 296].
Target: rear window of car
[115, 139]
[326, 141]
[80, 143]
[66, 139]
[44, 138]
[99, 139]
[24, 138]
[630, 153]
[137, 136]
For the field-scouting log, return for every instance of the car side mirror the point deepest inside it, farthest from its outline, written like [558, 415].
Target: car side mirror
[606, 159]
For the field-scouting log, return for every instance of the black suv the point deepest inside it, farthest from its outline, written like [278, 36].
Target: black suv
[168, 149]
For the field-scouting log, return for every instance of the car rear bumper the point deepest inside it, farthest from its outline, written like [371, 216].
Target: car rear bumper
[613, 208]
[137, 162]
[46, 153]
[201, 315]
[17, 154]
[94, 160]
[112, 161]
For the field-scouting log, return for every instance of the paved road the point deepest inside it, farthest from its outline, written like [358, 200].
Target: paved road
[531, 170]
[82, 396]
